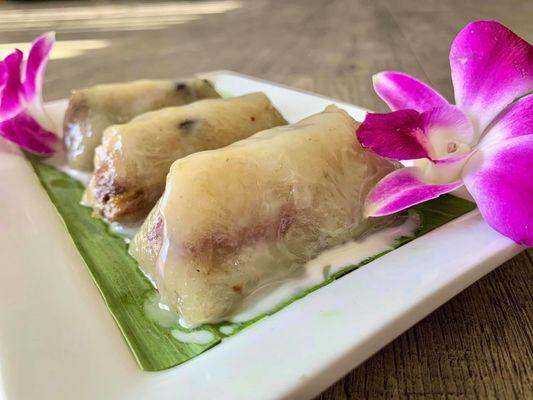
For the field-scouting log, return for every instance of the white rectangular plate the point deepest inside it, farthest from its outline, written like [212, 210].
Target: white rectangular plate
[58, 341]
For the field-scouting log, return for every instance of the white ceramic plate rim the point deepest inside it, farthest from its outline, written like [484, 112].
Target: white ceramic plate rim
[57, 340]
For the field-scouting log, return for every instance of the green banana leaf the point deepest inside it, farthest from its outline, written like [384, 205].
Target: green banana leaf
[127, 292]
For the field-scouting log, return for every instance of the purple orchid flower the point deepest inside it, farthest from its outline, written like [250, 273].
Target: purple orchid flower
[484, 141]
[23, 119]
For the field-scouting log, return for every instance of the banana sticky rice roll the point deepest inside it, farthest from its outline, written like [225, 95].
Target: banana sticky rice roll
[134, 158]
[93, 109]
[233, 219]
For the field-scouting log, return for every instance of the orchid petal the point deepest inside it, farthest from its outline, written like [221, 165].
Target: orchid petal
[515, 120]
[3, 75]
[395, 135]
[10, 104]
[401, 91]
[491, 66]
[28, 134]
[402, 189]
[438, 133]
[36, 65]
[499, 179]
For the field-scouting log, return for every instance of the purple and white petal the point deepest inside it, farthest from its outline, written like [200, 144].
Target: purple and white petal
[36, 65]
[10, 101]
[402, 189]
[401, 91]
[397, 135]
[499, 179]
[491, 66]
[3, 75]
[515, 120]
[28, 134]
[449, 131]
[438, 133]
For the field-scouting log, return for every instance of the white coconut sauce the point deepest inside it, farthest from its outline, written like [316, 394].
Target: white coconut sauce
[195, 337]
[59, 161]
[162, 315]
[159, 313]
[81, 176]
[127, 231]
[321, 268]
[315, 272]
[227, 329]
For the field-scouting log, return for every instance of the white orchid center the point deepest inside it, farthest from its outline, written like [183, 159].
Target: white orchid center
[451, 147]
[446, 143]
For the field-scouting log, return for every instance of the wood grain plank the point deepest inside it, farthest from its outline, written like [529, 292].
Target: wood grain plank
[478, 345]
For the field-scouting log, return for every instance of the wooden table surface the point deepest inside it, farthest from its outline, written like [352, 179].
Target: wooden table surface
[478, 345]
